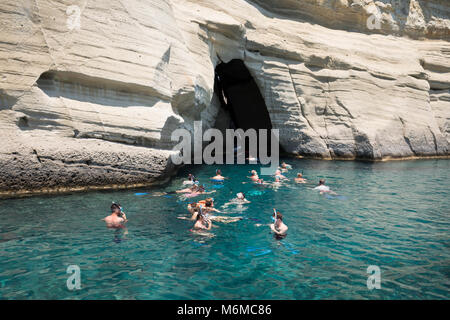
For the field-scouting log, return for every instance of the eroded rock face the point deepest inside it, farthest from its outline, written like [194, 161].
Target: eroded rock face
[91, 91]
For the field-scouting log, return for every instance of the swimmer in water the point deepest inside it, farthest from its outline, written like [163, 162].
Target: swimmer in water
[277, 183]
[254, 176]
[261, 182]
[279, 175]
[238, 202]
[285, 167]
[117, 219]
[197, 192]
[323, 188]
[191, 189]
[218, 176]
[191, 179]
[202, 222]
[240, 198]
[195, 213]
[300, 178]
[209, 206]
[193, 209]
[278, 227]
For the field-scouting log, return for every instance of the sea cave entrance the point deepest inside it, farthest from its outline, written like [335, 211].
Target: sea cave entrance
[242, 105]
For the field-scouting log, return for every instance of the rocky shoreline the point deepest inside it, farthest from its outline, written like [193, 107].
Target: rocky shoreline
[52, 187]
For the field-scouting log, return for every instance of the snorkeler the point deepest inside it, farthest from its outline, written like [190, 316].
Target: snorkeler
[254, 176]
[117, 219]
[261, 182]
[191, 189]
[277, 183]
[322, 187]
[199, 190]
[209, 206]
[193, 209]
[218, 177]
[237, 203]
[240, 198]
[278, 227]
[285, 167]
[202, 222]
[191, 179]
[300, 178]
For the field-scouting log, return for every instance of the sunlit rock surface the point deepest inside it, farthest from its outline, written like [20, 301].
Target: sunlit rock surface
[91, 91]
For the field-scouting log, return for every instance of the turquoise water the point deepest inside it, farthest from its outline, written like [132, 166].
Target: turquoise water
[394, 215]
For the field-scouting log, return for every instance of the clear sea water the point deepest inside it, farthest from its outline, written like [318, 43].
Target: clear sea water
[395, 215]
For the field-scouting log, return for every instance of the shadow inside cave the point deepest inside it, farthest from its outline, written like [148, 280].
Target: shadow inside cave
[242, 105]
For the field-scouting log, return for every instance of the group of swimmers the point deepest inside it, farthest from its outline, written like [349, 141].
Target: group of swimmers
[203, 212]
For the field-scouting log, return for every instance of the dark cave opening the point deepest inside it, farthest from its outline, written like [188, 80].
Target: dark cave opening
[241, 99]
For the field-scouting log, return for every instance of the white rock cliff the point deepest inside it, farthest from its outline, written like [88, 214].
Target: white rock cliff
[91, 91]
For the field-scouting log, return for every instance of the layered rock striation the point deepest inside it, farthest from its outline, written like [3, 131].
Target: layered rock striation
[91, 91]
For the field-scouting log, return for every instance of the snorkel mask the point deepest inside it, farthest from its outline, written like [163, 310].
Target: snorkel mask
[117, 205]
[200, 212]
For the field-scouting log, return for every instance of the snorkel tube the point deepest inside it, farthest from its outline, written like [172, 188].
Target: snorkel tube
[200, 212]
[274, 217]
[114, 204]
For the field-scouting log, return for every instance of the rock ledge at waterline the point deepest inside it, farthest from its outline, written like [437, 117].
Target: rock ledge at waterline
[91, 102]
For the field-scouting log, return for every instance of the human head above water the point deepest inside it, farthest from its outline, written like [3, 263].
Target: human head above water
[208, 203]
[115, 208]
[218, 172]
[321, 181]
[299, 175]
[240, 195]
[278, 215]
[200, 215]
